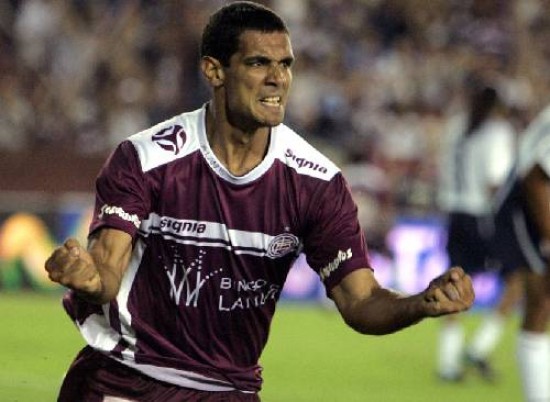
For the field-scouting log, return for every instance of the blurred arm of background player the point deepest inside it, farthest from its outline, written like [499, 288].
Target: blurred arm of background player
[96, 273]
[537, 195]
[370, 309]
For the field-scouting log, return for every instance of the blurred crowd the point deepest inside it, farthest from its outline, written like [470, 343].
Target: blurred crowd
[374, 83]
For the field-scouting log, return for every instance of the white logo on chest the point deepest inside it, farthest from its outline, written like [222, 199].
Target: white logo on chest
[187, 281]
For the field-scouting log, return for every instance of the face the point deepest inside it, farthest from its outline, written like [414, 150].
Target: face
[257, 80]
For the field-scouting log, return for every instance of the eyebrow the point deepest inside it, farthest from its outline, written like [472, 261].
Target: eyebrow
[266, 60]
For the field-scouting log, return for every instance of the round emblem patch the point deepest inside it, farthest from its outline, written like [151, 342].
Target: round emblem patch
[281, 245]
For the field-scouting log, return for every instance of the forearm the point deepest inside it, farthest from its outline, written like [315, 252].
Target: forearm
[108, 264]
[370, 309]
[384, 312]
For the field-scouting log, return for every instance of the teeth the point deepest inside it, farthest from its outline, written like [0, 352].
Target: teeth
[273, 99]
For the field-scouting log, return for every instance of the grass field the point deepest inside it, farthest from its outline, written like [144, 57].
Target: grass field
[311, 357]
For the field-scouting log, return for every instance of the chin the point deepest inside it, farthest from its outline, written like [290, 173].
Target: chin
[274, 121]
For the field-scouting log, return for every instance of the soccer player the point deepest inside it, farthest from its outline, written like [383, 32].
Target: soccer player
[477, 156]
[197, 222]
[523, 228]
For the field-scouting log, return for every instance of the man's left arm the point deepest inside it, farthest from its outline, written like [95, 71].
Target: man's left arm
[371, 309]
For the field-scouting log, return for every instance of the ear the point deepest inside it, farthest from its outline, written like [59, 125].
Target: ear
[212, 70]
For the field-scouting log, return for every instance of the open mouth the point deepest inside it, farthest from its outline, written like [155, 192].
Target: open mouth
[272, 101]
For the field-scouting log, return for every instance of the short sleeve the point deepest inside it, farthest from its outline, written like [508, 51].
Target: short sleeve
[500, 153]
[334, 245]
[122, 199]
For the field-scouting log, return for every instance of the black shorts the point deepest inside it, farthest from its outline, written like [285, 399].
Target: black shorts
[516, 240]
[92, 376]
[468, 242]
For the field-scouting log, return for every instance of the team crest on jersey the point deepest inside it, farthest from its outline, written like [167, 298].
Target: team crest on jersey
[281, 245]
[171, 138]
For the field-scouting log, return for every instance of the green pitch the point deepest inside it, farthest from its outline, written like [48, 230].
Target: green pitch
[311, 357]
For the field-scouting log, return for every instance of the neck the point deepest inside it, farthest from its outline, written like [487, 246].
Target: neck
[238, 150]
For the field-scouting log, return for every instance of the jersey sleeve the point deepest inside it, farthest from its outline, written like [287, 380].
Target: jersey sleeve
[335, 245]
[122, 199]
[500, 154]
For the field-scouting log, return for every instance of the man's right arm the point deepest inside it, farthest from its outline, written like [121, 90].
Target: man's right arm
[94, 274]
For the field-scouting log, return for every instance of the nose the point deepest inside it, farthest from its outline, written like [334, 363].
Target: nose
[278, 74]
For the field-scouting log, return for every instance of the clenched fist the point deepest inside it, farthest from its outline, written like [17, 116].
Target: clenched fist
[449, 293]
[72, 266]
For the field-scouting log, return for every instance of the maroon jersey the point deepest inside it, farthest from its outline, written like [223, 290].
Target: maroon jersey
[212, 251]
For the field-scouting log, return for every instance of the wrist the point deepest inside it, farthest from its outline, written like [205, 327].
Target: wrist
[92, 290]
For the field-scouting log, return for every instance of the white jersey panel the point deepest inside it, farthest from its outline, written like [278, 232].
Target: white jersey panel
[209, 234]
[501, 148]
[125, 316]
[186, 133]
[175, 135]
[297, 153]
[98, 333]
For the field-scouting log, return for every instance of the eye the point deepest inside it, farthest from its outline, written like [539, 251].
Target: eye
[257, 62]
[287, 63]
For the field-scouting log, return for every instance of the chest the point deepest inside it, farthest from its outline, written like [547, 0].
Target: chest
[196, 199]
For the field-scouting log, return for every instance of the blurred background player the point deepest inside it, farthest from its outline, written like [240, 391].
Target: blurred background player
[523, 231]
[478, 153]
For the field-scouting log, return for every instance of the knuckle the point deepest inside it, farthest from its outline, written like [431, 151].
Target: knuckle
[48, 265]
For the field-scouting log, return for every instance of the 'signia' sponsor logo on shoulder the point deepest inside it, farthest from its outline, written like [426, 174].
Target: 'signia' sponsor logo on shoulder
[334, 264]
[121, 213]
[304, 163]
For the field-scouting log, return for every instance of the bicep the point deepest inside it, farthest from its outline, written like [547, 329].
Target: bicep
[355, 287]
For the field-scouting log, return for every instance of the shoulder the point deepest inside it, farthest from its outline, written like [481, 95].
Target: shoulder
[169, 140]
[298, 154]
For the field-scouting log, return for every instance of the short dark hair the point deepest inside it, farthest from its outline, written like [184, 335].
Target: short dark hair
[220, 38]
